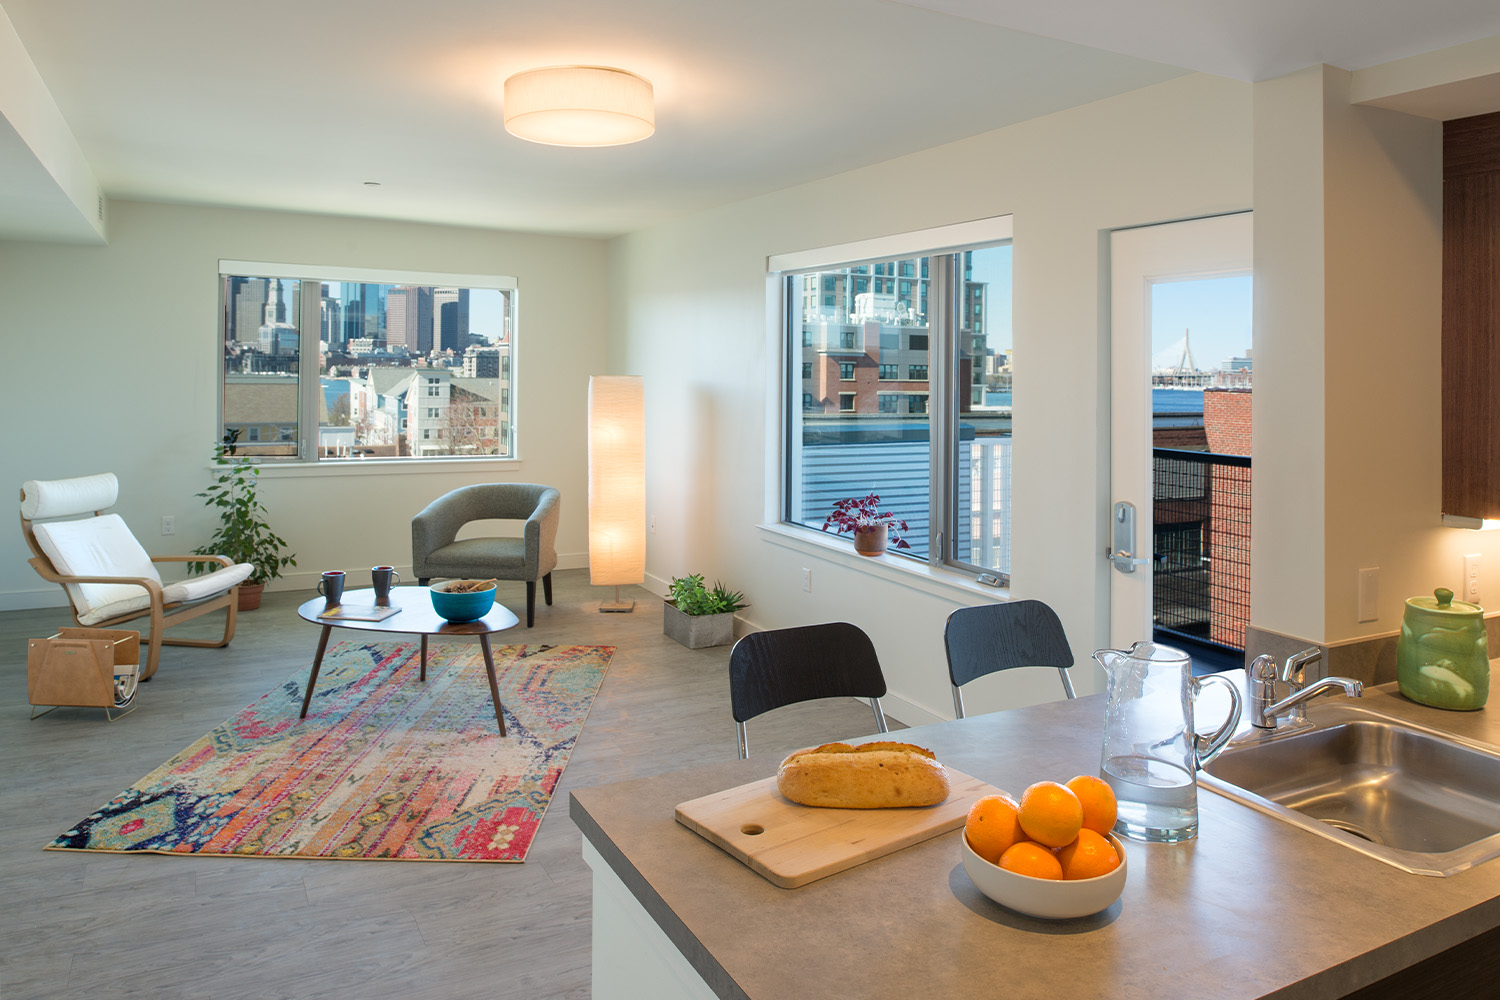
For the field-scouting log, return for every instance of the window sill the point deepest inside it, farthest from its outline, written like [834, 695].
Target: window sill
[946, 583]
[379, 467]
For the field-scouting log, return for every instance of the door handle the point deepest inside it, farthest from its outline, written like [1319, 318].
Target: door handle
[1121, 553]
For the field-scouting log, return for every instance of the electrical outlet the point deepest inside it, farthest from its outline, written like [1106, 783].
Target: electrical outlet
[653, 524]
[806, 580]
[168, 524]
[1471, 578]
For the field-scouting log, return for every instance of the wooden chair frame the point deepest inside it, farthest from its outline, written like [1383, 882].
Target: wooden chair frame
[162, 613]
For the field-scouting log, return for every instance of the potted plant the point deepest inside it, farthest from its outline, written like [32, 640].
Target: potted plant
[696, 616]
[873, 528]
[243, 535]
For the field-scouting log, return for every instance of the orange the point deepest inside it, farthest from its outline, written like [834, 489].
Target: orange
[1088, 857]
[1026, 858]
[1051, 814]
[991, 827]
[1098, 800]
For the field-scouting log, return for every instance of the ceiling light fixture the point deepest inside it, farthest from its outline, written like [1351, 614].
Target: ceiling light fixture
[579, 106]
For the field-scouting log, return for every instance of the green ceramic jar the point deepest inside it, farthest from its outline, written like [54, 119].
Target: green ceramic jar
[1442, 657]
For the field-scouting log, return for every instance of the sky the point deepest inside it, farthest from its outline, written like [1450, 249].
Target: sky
[1216, 312]
[992, 265]
[486, 312]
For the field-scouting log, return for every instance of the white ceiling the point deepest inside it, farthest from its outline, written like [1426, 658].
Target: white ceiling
[296, 104]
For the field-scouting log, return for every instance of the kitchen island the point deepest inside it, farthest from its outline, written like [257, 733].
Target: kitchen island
[1252, 908]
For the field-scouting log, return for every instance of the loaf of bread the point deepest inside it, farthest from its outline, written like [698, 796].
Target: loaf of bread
[867, 776]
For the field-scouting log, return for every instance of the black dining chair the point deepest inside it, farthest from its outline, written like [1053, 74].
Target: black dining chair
[995, 637]
[784, 666]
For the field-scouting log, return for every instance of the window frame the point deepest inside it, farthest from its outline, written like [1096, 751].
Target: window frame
[939, 245]
[309, 323]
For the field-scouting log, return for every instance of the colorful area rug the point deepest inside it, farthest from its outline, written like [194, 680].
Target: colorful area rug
[384, 766]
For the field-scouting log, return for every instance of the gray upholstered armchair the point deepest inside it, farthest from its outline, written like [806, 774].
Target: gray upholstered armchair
[436, 549]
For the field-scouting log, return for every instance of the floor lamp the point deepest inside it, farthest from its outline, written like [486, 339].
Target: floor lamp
[617, 484]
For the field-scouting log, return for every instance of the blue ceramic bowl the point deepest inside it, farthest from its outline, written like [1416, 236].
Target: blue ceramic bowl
[463, 607]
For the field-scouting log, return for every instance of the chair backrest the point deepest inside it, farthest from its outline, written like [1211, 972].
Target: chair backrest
[94, 546]
[503, 501]
[784, 666]
[991, 637]
[68, 497]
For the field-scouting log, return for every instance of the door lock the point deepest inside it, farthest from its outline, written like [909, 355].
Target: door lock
[1122, 553]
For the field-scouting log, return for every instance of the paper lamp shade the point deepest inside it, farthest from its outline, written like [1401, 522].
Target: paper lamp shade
[579, 106]
[617, 480]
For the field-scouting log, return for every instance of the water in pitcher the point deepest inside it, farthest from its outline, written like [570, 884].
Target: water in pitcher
[1157, 799]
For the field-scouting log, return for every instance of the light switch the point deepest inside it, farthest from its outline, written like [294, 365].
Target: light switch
[1369, 594]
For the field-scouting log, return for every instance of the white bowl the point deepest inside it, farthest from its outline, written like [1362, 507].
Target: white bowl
[1054, 899]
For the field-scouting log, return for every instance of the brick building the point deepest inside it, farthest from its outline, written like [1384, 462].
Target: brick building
[1226, 421]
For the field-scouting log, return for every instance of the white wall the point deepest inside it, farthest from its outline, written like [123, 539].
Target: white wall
[690, 314]
[1348, 374]
[111, 358]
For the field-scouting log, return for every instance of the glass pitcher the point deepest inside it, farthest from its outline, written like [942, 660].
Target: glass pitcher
[1152, 751]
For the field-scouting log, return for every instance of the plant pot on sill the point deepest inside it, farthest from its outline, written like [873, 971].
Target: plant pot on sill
[250, 596]
[871, 541]
[697, 631]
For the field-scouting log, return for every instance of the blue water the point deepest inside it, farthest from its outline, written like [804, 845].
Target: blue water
[1162, 400]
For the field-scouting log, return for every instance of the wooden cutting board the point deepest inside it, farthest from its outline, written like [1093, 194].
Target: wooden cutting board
[792, 845]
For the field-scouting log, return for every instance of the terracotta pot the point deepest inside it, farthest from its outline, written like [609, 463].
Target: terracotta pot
[250, 596]
[871, 541]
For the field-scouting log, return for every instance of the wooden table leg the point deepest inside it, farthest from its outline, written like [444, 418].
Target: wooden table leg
[312, 680]
[424, 657]
[489, 666]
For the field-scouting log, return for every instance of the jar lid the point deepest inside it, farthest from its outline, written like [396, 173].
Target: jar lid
[1442, 602]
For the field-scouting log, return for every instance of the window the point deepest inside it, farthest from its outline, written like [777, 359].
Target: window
[328, 364]
[846, 340]
[807, 369]
[846, 371]
[939, 458]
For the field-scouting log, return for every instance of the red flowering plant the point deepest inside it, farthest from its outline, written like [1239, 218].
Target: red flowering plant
[863, 513]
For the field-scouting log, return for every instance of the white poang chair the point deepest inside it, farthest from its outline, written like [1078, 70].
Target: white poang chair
[108, 576]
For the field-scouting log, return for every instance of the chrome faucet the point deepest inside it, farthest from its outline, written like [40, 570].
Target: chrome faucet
[1266, 712]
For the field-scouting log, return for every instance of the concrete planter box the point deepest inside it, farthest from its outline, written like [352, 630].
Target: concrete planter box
[697, 631]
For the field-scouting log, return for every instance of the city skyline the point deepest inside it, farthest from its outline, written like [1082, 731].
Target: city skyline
[1215, 311]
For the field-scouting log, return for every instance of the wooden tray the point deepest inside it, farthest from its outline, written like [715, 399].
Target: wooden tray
[792, 845]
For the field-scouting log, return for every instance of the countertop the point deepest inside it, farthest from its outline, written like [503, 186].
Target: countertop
[1254, 907]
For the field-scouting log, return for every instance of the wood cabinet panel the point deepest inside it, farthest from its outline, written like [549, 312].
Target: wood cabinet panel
[1471, 317]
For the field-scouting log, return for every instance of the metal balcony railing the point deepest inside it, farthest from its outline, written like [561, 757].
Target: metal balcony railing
[1201, 541]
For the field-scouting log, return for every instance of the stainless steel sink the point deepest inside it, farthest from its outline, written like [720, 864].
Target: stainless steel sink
[1423, 801]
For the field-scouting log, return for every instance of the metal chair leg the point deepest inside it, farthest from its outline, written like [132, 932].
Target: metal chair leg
[879, 714]
[1067, 682]
[958, 703]
[744, 744]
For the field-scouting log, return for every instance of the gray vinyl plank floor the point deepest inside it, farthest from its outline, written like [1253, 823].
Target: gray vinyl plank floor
[85, 925]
